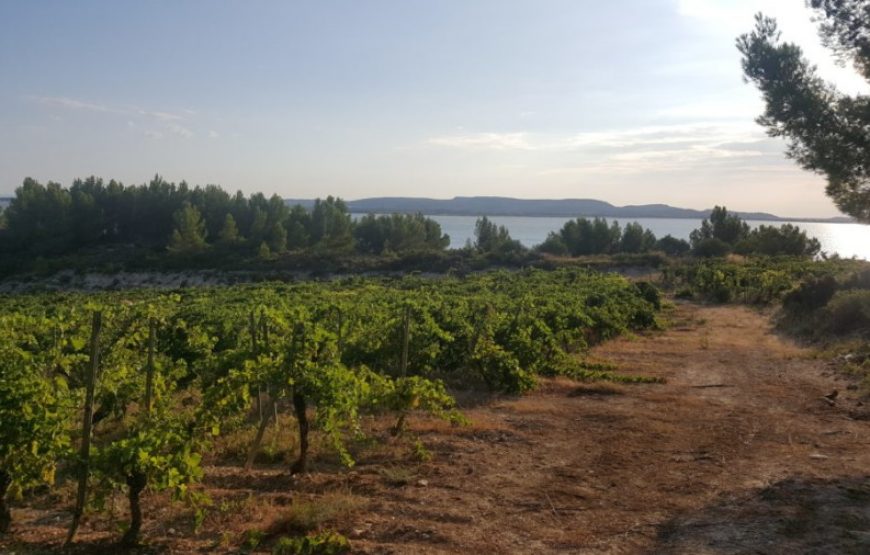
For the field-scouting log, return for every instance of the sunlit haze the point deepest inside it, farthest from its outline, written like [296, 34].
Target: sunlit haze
[631, 101]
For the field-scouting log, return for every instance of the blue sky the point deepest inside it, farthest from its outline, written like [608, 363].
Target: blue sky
[629, 101]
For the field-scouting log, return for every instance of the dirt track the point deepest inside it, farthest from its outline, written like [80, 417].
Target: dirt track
[737, 453]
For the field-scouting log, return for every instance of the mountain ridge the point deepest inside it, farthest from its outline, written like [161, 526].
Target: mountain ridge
[509, 206]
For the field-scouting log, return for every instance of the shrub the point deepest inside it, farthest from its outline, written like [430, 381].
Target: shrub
[711, 247]
[684, 293]
[554, 244]
[324, 543]
[672, 246]
[858, 280]
[810, 295]
[784, 240]
[650, 293]
[847, 313]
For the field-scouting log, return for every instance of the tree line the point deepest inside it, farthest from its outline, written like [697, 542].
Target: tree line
[46, 220]
[51, 219]
[720, 234]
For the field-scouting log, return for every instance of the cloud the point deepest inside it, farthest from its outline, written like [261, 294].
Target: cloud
[694, 153]
[497, 141]
[709, 133]
[73, 104]
[169, 122]
[179, 130]
[162, 116]
[654, 149]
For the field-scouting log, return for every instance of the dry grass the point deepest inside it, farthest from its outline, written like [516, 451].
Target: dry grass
[398, 476]
[306, 515]
[597, 390]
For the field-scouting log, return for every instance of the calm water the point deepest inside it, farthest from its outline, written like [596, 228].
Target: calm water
[846, 239]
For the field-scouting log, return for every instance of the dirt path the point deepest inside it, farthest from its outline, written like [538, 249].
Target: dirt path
[737, 453]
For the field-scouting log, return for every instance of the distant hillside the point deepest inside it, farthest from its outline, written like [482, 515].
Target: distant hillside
[504, 206]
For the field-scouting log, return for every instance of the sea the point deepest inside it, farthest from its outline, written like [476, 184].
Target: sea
[847, 240]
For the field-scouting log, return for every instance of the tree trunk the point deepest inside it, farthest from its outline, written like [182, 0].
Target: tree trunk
[399, 427]
[136, 482]
[87, 424]
[300, 406]
[258, 440]
[5, 513]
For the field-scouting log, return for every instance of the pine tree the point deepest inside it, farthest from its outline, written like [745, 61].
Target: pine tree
[229, 234]
[826, 129]
[189, 233]
[277, 238]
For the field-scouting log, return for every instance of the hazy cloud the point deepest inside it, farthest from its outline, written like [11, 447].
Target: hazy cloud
[73, 104]
[162, 116]
[180, 130]
[638, 151]
[498, 141]
[170, 122]
[641, 137]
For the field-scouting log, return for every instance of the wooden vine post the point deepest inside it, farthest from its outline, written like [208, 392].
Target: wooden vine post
[264, 416]
[149, 369]
[87, 422]
[406, 336]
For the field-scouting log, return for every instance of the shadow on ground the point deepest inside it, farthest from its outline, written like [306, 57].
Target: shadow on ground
[795, 515]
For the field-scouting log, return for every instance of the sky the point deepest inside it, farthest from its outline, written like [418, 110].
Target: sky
[627, 101]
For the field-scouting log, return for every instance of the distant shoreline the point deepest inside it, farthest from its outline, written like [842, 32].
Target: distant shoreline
[543, 208]
[506, 207]
[776, 219]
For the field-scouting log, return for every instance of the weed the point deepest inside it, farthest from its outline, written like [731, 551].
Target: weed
[420, 452]
[324, 543]
[253, 538]
[397, 476]
[304, 516]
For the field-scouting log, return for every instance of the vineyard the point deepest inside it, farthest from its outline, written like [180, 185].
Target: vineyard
[761, 280]
[129, 391]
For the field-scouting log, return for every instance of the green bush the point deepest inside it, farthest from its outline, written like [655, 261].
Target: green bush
[711, 248]
[847, 313]
[672, 246]
[810, 295]
[858, 280]
[650, 293]
[786, 239]
[554, 244]
[323, 543]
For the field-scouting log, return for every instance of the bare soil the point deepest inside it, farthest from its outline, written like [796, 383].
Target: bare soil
[737, 452]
